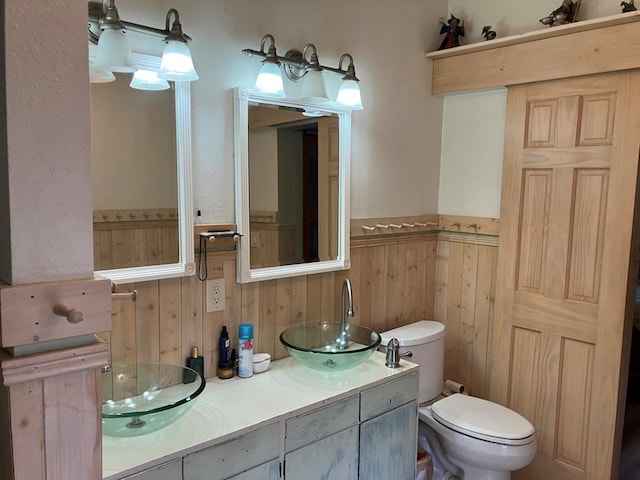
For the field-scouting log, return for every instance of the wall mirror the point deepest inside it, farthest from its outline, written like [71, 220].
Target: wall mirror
[141, 178]
[292, 186]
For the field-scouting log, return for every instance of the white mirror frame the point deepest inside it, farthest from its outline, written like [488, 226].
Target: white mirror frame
[185, 265]
[245, 273]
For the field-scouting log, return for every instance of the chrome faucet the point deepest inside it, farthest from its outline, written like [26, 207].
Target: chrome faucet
[347, 294]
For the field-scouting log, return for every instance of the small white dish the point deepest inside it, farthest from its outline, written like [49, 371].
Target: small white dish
[261, 362]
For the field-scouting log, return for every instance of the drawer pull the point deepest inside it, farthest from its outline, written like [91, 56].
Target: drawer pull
[73, 315]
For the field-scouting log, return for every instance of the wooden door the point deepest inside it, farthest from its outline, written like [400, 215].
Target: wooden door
[568, 195]
[328, 187]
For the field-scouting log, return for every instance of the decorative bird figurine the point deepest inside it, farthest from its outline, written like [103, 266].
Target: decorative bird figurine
[487, 33]
[628, 6]
[565, 13]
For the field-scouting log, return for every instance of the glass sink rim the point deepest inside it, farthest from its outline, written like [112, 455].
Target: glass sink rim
[169, 406]
[373, 346]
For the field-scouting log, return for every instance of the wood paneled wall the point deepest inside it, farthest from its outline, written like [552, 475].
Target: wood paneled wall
[133, 238]
[397, 279]
[464, 301]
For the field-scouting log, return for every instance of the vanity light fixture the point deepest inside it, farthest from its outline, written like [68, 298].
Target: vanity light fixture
[269, 79]
[107, 30]
[148, 80]
[297, 68]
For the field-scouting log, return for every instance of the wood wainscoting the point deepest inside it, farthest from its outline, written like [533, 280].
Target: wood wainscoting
[134, 238]
[397, 279]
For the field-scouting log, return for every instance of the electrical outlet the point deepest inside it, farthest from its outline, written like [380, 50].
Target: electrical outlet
[215, 295]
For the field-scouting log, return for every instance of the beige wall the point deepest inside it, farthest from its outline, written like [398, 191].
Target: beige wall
[133, 147]
[472, 143]
[396, 139]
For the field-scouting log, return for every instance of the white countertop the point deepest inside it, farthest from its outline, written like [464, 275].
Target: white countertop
[227, 408]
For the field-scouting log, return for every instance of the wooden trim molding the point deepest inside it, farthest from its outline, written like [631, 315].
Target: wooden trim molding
[476, 225]
[38, 366]
[371, 227]
[135, 215]
[581, 48]
[364, 229]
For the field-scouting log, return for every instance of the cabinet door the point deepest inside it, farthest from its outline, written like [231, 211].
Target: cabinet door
[388, 445]
[167, 471]
[332, 458]
[266, 471]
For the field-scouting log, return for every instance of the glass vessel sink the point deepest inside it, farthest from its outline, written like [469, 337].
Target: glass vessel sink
[316, 345]
[141, 398]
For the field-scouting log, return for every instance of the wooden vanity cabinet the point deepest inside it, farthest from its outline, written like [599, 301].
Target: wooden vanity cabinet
[370, 434]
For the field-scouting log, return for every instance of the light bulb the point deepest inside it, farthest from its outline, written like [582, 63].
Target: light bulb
[176, 63]
[269, 80]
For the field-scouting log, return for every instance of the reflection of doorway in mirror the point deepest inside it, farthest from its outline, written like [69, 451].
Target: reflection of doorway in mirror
[328, 187]
[134, 173]
[293, 186]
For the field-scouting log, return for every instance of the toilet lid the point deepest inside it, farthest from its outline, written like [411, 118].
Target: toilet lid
[482, 419]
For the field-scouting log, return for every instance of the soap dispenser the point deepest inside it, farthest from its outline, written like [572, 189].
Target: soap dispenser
[195, 362]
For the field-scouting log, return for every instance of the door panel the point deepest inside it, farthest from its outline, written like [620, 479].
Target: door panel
[569, 184]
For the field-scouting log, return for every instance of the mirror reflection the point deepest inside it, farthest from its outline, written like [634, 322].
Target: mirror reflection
[134, 176]
[293, 185]
[141, 178]
[293, 164]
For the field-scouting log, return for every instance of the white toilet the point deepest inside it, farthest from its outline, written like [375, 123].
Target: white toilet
[469, 437]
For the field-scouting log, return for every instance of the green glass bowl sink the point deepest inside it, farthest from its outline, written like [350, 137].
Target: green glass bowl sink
[141, 398]
[315, 345]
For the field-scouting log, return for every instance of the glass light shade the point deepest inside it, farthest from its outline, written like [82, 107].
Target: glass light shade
[99, 75]
[270, 80]
[176, 63]
[148, 80]
[349, 95]
[313, 87]
[114, 52]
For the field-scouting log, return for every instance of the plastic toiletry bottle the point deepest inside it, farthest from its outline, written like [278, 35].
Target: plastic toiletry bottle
[225, 364]
[194, 362]
[245, 350]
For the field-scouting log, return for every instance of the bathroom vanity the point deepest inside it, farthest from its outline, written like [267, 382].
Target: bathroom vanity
[290, 422]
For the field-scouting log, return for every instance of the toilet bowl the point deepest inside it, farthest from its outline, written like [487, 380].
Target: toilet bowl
[485, 440]
[469, 437]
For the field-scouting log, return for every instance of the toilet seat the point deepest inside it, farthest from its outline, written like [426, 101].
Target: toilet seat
[483, 420]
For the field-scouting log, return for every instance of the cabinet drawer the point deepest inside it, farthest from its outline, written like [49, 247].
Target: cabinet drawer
[266, 471]
[386, 397]
[320, 423]
[234, 457]
[167, 471]
[332, 458]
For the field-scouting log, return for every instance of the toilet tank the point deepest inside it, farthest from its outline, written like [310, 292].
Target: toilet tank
[425, 341]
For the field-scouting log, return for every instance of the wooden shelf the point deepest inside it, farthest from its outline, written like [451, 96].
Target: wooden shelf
[583, 48]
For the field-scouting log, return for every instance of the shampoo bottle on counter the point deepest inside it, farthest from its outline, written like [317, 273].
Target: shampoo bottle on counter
[225, 363]
[245, 350]
[194, 362]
